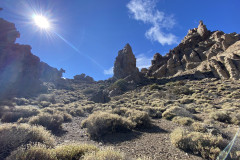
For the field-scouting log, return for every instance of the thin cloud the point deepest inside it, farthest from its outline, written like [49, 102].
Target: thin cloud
[108, 71]
[143, 61]
[145, 10]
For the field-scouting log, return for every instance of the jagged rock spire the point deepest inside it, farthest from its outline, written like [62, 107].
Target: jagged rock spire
[125, 63]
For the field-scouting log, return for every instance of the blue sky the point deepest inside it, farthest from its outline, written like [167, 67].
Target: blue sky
[98, 29]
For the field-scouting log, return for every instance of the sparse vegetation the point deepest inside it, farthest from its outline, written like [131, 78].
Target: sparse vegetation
[206, 145]
[51, 122]
[101, 123]
[13, 114]
[120, 84]
[13, 136]
[203, 113]
[105, 154]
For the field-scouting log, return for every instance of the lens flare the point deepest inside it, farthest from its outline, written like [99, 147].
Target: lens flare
[41, 21]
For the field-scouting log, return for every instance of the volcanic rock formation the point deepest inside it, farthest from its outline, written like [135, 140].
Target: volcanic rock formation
[201, 53]
[125, 64]
[21, 72]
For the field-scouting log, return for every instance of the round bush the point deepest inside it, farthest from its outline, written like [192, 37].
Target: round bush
[101, 123]
[51, 122]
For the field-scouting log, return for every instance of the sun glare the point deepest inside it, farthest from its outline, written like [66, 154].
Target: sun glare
[41, 21]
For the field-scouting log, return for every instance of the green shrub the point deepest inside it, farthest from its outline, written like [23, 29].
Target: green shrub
[120, 84]
[51, 122]
[14, 135]
[105, 154]
[206, 145]
[12, 115]
[100, 123]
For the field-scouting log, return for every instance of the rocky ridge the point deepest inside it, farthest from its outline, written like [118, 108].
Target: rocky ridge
[201, 53]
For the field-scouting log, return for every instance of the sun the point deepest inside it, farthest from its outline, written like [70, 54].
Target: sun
[41, 21]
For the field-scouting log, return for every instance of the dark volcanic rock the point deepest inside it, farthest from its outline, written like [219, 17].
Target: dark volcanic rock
[201, 52]
[125, 64]
[21, 72]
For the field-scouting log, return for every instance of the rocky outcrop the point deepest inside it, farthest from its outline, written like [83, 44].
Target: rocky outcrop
[125, 64]
[83, 78]
[200, 52]
[21, 72]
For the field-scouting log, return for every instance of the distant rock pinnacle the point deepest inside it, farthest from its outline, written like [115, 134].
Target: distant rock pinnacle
[125, 63]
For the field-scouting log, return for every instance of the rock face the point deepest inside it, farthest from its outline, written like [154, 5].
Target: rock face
[21, 72]
[201, 53]
[125, 64]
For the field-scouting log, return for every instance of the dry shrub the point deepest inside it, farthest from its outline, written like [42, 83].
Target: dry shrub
[13, 114]
[66, 117]
[235, 118]
[154, 112]
[222, 116]
[14, 135]
[100, 123]
[73, 151]
[155, 87]
[77, 112]
[89, 91]
[199, 127]
[51, 122]
[183, 120]
[206, 145]
[46, 98]
[21, 101]
[139, 118]
[174, 111]
[44, 104]
[43, 152]
[105, 154]
[36, 151]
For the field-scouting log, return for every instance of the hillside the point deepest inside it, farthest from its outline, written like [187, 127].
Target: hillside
[185, 106]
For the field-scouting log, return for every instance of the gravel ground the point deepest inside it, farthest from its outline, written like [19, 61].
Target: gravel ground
[153, 143]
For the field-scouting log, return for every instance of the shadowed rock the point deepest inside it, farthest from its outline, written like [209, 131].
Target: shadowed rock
[21, 72]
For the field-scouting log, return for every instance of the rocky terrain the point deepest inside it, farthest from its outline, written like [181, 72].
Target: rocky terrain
[201, 53]
[185, 106]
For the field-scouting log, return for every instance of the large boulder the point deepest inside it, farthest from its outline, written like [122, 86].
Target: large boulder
[125, 64]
